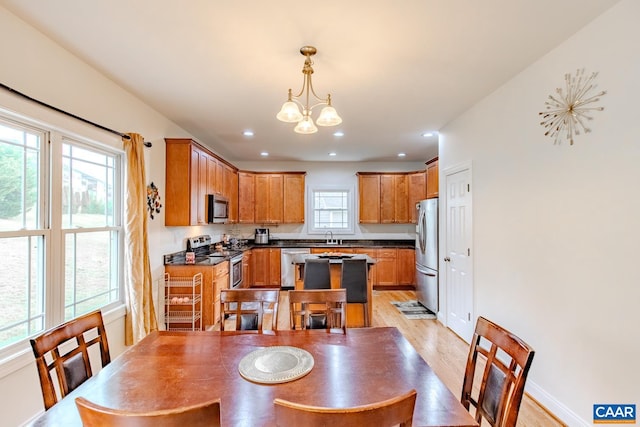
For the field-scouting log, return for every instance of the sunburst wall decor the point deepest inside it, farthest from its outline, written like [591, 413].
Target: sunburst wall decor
[568, 111]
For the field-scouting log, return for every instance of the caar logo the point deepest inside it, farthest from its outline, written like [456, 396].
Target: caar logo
[614, 414]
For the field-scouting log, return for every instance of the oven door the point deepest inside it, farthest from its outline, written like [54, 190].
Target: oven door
[236, 272]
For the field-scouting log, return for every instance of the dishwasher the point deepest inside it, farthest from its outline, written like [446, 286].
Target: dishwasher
[287, 269]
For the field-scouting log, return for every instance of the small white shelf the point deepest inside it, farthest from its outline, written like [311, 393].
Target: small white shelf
[183, 302]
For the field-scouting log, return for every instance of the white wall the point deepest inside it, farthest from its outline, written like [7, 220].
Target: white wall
[556, 227]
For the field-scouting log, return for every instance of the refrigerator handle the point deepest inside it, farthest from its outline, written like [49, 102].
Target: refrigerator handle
[422, 227]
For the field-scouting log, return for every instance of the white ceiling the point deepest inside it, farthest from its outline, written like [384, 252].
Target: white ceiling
[395, 69]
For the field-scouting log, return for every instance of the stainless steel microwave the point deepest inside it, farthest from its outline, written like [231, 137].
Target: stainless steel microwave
[217, 209]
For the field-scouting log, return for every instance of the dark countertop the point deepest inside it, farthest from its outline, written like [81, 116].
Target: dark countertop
[203, 259]
[315, 243]
[301, 259]
[177, 259]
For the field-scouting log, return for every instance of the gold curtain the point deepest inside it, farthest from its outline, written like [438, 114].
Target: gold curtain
[141, 315]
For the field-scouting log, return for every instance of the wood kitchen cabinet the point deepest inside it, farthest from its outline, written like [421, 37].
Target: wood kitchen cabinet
[390, 198]
[271, 198]
[219, 187]
[417, 190]
[247, 269]
[266, 267]
[393, 199]
[212, 168]
[369, 198]
[220, 282]
[231, 192]
[406, 267]
[246, 198]
[432, 178]
[192, 172]
[186, 183]
[386, 267]
[293, 198]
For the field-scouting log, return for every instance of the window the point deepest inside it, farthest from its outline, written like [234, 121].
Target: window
[22, 232]
[60, 229]
[91, 240]
[332, 210]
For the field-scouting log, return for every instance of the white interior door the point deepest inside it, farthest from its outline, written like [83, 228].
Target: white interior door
[457, 259]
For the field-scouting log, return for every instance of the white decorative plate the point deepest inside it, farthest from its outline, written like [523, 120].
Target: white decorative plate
[277, 364]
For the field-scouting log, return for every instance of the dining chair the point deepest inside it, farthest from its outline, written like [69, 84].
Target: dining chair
[506, 360]
[317, 274]
[353, 277]
[397, 410]
[201, 415]
[318, 309]
[248, 307]
[65, 349]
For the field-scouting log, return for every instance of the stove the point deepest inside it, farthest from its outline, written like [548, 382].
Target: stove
[201, 245]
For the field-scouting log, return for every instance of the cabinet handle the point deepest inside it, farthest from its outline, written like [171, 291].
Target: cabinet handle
[447, 259]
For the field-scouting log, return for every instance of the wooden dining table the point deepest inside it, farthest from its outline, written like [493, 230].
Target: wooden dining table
[171, 369]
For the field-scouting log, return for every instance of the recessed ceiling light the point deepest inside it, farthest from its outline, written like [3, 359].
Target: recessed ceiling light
[248, 133]
[264, 154]
[427, 134]
[401, 154]
[338, 133]
[332, 153]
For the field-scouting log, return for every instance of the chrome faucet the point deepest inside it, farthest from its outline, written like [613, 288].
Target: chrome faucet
[329, 241]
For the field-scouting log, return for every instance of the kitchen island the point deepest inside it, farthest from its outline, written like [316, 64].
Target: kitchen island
[355, 314]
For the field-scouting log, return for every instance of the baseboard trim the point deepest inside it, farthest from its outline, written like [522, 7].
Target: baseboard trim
[554, 407]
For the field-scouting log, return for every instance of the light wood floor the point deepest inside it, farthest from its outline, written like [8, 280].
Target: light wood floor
[443, 350]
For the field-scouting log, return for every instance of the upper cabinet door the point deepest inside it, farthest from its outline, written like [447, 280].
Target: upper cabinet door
[246, 198]
[276, 198]
[369, 199]
[185, 196]
[432, 179]
[387, 199]
[417, 183]
[269, 199]
[384, 198]
[294, 198]
[231, 182]
[401, 201]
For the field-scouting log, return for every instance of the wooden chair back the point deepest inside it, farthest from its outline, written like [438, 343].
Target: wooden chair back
[202, 415]
[507, 360]
[395, 411]
[65, 351]
[317, 274]
[354, 278]
[249, 307]
[318, 309]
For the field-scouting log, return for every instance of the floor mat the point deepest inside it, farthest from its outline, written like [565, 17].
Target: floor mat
[413, 310]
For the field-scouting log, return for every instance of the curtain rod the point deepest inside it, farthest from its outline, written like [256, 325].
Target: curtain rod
[51, 107]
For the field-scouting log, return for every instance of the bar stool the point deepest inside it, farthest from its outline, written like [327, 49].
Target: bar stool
[317, 274]
[354, 279]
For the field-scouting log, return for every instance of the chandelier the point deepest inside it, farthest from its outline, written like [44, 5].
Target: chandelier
[290, 113]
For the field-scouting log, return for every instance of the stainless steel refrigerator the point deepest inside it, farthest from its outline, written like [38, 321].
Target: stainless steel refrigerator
[427, 254]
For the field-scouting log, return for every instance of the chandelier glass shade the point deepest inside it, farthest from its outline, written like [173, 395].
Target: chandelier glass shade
[291, 109]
